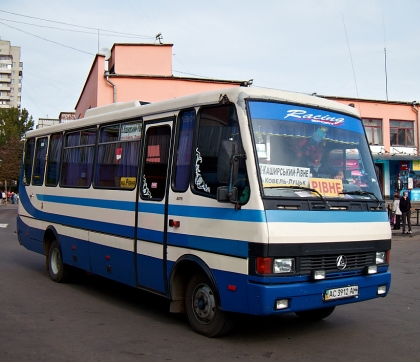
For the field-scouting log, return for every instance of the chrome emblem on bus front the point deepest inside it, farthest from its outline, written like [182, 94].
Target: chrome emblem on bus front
[341, 262]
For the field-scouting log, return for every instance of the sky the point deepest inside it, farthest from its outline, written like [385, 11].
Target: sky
[353, 48]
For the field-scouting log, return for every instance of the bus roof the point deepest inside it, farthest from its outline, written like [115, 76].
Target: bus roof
[133, 109]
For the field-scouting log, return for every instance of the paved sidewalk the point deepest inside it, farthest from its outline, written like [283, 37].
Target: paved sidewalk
[415, 229]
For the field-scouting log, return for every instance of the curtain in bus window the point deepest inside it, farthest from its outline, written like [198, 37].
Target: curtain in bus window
[27, 166]
[117, 159]
[54, 158]
[183, 161]
[39, 161]
[78, 158]
[86, 166]
[70, 169]
[117, 165]
[88, 137]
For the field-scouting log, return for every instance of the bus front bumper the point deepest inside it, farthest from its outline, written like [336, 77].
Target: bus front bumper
[295, 297]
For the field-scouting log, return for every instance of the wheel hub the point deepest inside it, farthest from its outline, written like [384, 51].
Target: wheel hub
[204, 304]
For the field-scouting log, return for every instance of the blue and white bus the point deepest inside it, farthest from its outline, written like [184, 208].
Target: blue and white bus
[245, 200]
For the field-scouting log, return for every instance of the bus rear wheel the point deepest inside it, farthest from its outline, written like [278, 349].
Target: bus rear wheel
[315, 314]
[203, 310]
[59, 272]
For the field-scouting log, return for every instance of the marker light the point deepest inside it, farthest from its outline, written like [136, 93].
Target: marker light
[381, 289]
[284, 265]
[380, 257]
[282, 304]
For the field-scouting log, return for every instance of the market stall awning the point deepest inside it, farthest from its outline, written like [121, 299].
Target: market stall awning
[395, 157]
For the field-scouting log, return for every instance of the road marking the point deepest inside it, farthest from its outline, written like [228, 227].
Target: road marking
[3, 225]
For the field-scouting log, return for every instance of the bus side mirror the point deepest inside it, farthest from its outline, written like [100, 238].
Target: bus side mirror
[224, 195]
[227, 162]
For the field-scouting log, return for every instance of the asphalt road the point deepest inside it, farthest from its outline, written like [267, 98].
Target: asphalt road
[99, 320]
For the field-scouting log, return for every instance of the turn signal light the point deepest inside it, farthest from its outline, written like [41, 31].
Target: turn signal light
[263, 265]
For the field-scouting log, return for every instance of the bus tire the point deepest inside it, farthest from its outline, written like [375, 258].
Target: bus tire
[315, 314]
[59, 272]
[203, 310]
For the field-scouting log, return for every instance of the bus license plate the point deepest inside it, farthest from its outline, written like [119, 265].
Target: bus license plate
[339, 293]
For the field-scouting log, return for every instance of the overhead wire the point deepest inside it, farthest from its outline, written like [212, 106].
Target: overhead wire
[77, 26]
[77, 31]
[51, 41]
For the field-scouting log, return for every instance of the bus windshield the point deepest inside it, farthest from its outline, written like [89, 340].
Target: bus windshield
[311, 152]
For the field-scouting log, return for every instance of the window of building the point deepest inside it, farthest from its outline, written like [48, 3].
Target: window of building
[12, 98]
[373, 128]
[402, 133]
[12, 81]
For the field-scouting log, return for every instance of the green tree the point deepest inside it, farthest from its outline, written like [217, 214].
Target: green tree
[14, 123]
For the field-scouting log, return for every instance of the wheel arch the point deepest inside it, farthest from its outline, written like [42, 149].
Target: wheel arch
[183, 269]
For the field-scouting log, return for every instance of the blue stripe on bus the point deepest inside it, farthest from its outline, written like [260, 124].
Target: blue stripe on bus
[300, 216]
[238, 248]
[81, 201]
[217, 213]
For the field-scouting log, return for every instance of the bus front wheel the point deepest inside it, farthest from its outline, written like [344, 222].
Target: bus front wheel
[59, 272]
[315, 314]
[203, 310]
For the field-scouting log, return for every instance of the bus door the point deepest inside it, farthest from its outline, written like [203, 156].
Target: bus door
[152, 205]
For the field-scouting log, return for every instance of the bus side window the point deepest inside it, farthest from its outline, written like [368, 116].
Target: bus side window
[54, 159]
[77, 165]
[215, 124]
[182, 172]
[117, 157]
[39, 161]
[155, 170]
[27, 165]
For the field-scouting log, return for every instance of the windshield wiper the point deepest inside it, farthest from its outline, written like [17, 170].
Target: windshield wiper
[361, 193]
[301, 188]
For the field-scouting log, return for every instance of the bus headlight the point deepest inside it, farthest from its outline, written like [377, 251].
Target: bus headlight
[380, 257]
[284, 265]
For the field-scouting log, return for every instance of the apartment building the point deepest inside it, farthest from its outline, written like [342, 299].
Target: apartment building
[10, 75]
